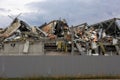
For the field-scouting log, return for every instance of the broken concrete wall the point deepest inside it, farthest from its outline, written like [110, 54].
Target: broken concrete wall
[18, 48]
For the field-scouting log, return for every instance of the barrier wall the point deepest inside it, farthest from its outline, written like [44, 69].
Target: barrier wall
[32, 66]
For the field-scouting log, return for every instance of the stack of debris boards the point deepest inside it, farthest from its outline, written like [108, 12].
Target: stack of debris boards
[109, 34]
[20, 38]
[58, 35]
[100, 38]
[79, 32]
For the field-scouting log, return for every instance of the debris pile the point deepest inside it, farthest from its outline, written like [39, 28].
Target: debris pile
[96, 39]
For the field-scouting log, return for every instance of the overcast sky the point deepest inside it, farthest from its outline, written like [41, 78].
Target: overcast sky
[36, 12]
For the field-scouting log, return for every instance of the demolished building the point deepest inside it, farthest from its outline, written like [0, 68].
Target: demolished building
[110, 26]
[24, 49]
[109, 34]
[59, 37]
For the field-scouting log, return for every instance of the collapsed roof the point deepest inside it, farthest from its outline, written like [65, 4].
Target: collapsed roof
[56, 27]
[110, 26]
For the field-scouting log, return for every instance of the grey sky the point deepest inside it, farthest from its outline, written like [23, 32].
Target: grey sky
[36, 12]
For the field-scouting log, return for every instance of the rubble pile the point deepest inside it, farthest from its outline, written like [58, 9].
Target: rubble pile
[96, 39]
